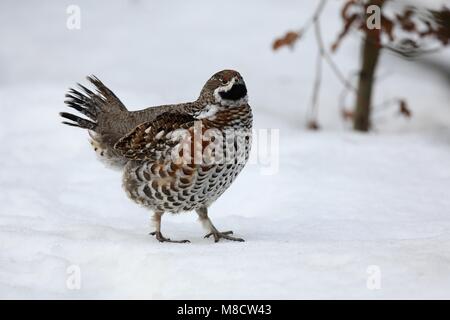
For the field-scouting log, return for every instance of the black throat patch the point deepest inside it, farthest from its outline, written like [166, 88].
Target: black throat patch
[237, 91]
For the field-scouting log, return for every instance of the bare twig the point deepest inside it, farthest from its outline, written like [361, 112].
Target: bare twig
[322, 55]
[315, 16]
[316, 89]
[331, 62]
[343, 97]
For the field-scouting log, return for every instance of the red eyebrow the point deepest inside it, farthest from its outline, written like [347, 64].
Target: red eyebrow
[227, 76]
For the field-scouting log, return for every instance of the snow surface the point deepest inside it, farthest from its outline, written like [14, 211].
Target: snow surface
[339, 203]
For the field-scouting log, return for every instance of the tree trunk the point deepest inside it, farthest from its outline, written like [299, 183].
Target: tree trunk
[370, 55]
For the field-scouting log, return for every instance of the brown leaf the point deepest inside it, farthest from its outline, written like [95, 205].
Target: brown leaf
[346, 7]
[405, 20]
[313, 125]
[442, 18]
[348, 22]
[347, 114]
[387, 26]
[288, 39]
[404, 109]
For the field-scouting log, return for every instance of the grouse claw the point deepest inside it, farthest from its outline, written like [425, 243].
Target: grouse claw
[223, 235]
[161, 238]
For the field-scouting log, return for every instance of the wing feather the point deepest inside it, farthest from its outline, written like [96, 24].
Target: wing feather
[155, 139]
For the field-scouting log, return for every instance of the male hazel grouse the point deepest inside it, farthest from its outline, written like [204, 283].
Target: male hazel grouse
[143, 144]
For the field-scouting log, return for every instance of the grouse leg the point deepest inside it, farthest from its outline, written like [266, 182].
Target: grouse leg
[157, 233]
[206, 222]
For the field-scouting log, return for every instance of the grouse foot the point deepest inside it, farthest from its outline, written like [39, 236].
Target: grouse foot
[161, 238]
[223, 235]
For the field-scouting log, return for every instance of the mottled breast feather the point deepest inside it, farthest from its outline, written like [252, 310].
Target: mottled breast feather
[154, 179]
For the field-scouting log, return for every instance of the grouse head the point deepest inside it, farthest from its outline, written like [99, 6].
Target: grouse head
[225, 88]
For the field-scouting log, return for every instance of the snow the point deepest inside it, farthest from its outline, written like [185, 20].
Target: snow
[340, 209]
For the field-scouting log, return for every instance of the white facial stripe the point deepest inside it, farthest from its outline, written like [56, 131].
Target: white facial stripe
[223, 89]
[227, 102]
[208, 112]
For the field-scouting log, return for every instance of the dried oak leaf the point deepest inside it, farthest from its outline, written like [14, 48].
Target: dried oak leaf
[404, 109]
[313, 125]
[288, 40]
[405, 20]
[387, 26]
[348, 22]
[442, 18]
[347, 114]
